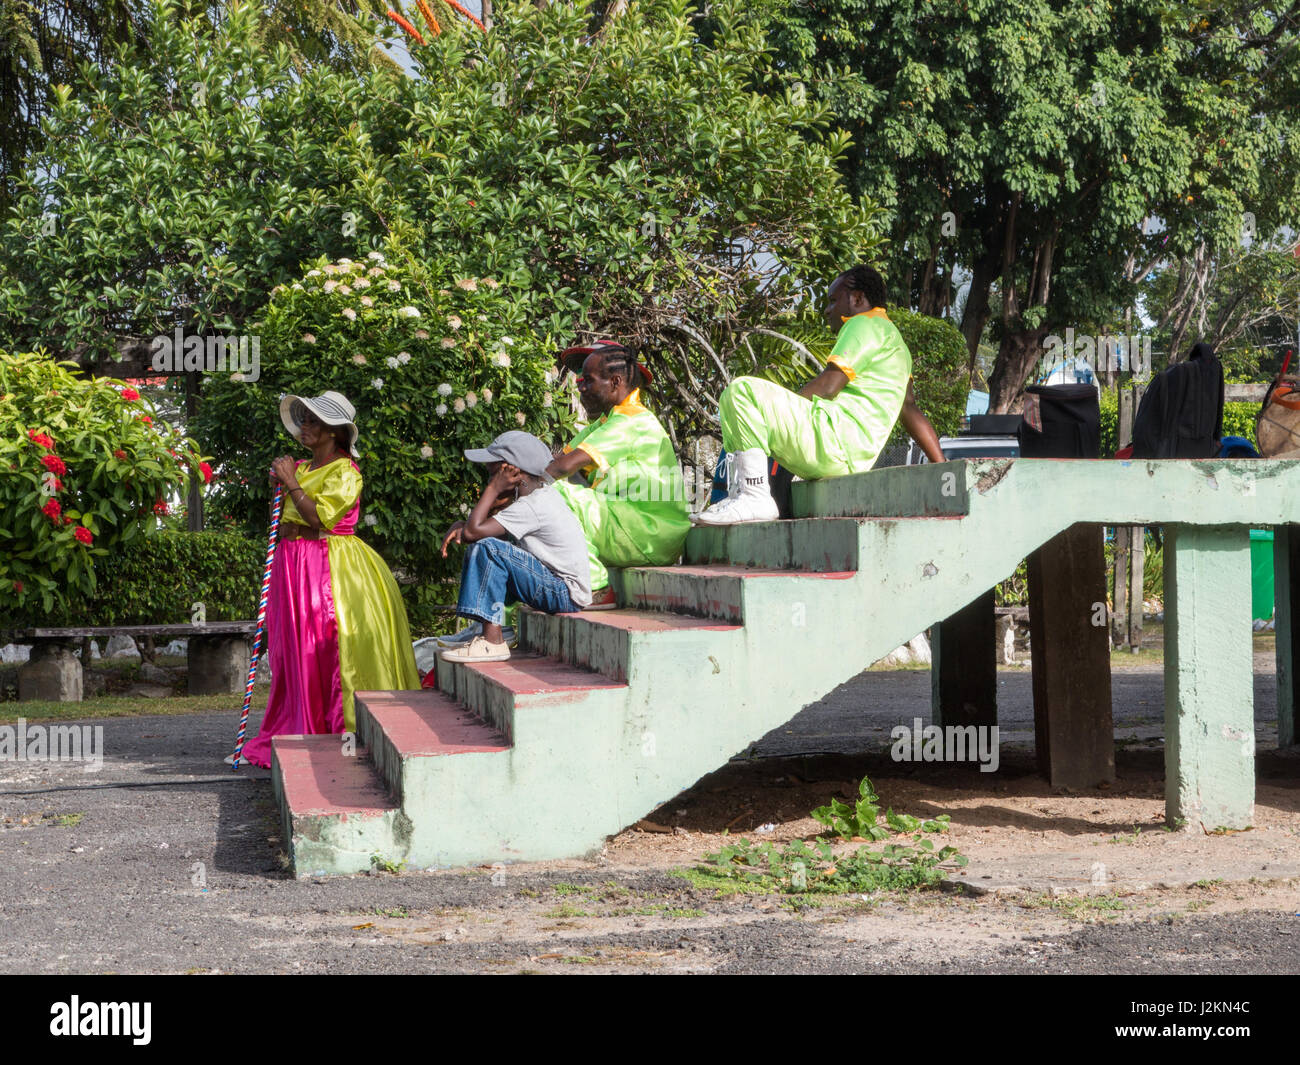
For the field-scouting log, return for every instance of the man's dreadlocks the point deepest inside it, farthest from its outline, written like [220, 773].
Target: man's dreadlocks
[868, 281]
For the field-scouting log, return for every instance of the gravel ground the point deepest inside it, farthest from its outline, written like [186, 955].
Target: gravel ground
[165, 862]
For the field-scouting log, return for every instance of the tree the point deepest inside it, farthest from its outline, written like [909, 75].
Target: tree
[629, 180]
[1032, 144]
[43, 43]
[630, 183]
[177, 190]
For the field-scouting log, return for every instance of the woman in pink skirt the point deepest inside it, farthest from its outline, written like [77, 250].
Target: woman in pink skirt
[335, 619]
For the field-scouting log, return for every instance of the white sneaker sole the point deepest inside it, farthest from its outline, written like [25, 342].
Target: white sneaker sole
[456, 656]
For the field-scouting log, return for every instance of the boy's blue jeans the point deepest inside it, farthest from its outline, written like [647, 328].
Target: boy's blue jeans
[496, 574]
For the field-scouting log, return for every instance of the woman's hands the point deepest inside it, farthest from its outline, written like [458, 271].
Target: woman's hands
[284, 471]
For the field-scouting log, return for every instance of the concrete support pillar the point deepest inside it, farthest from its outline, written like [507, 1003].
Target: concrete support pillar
[963, 666]
[53, 673]
[218, 665]
[1286, 597]
[1069, 646]
[1209, 689]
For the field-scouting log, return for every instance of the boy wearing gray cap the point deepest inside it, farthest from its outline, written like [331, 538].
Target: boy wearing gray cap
[547, 566]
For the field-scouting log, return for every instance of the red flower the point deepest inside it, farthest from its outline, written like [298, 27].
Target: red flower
[18, 587]
[58, 485]
[83, 534]
[53, 463]
[39, 438]
[147, 420]
[67, 519]
[52, 509]
[160, 507]
[120, 455]
[205, 471]
[130, 395]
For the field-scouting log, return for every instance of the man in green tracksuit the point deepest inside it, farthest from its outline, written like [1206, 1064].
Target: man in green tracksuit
[836, 424]
[632, 505]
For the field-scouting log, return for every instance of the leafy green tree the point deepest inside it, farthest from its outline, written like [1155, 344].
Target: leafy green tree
[1241, 299]
[633, 183]
[178, 189]
[44, 42]
[1054, 154]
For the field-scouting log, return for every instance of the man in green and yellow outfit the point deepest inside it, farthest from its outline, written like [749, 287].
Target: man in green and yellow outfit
[836, 424]
[632, 504]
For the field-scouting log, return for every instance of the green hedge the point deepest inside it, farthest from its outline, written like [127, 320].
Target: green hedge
[939, 370]
[156, 580]
[1238, 420]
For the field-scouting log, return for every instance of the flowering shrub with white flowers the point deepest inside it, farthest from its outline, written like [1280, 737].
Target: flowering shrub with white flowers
[433, 362]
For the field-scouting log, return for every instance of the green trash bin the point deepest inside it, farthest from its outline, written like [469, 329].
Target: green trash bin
[1261, 573]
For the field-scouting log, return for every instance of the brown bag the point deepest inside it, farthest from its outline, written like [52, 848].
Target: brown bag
[1277, 426]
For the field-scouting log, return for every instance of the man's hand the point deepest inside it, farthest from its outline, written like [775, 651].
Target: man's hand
[455, 535]
[506, 479]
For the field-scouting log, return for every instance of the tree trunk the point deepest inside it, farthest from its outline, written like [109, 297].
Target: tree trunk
[976, 313]
[1016, 358]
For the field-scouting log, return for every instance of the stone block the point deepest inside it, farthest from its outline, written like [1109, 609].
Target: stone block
[218, 665]
[53, 673]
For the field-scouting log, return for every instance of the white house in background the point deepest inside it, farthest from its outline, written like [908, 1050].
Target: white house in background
[1074, 371]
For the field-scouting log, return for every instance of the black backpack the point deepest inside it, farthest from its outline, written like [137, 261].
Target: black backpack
[1060, 422]
[1181, 414]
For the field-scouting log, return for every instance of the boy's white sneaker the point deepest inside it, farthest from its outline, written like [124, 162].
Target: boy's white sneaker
[462, 638]
[479, 650]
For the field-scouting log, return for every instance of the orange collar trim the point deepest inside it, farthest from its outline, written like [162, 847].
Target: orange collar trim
[631, 405]
[875, 312]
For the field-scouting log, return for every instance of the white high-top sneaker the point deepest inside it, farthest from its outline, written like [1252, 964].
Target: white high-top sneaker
[752, 497]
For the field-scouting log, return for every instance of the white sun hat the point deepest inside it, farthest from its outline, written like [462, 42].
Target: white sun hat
[332, 408]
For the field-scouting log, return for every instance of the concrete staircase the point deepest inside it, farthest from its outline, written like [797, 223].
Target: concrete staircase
[600, 717]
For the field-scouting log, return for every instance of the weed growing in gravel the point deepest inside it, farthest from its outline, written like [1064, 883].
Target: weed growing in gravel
[381, 864]
[801, 869]
[1086, 908]
[859, 820]
[1128, 838]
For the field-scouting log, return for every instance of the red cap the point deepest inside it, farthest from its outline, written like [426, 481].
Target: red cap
[573, 358]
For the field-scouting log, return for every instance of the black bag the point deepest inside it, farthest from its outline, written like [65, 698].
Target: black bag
[1060, 422]
[1181, 414]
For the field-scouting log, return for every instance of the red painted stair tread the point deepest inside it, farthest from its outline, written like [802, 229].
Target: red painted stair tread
[536, 674]
[428, 722]
[319, 778]
[632, 620]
